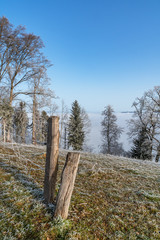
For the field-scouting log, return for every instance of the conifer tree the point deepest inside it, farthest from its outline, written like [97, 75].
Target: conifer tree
[76, 132]
[142, 146]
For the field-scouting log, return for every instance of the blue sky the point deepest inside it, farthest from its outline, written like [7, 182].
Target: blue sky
[103, 51]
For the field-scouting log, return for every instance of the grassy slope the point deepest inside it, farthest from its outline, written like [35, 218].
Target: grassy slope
[113, 198]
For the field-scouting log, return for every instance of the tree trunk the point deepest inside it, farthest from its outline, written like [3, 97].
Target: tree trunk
[11, 95]
[17, 138]
[10, 103]
[23, 135]
[65, 138]
[158, 154]
[8, 134]
[67, 184]
[4, 131]
[51, 167]
[34, 120]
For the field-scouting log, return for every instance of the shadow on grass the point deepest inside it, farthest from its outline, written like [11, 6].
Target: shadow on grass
[26, 219]
[29, 184]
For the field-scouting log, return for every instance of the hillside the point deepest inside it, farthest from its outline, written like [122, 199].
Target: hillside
[114, 198]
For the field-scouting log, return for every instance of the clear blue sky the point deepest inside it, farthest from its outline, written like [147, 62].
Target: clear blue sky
[103, 51]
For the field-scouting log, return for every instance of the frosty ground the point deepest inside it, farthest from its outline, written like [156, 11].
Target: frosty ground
[114, 198]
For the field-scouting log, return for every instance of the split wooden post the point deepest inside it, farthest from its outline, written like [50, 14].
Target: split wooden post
[67, 184]
[51, 166]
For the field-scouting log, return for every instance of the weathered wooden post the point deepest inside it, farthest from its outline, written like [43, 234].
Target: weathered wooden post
[67, 184]
[51, 167]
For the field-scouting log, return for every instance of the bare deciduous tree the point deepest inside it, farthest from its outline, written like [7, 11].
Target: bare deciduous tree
[147, 116]
[21, 59]
[41, 96]
[110, 132]
[6, 45]
[63, 125]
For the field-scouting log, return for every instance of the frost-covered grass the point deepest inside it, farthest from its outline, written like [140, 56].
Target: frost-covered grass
[114, 198]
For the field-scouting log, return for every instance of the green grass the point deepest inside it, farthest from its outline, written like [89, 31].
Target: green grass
[114, 198]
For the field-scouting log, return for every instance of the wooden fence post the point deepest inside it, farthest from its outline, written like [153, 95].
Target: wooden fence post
[67, 184]
[51, 166]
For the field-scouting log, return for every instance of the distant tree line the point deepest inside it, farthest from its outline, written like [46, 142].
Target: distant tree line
[144, 129]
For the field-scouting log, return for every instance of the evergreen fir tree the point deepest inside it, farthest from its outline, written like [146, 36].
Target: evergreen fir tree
[142, 146]
[76, 132]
